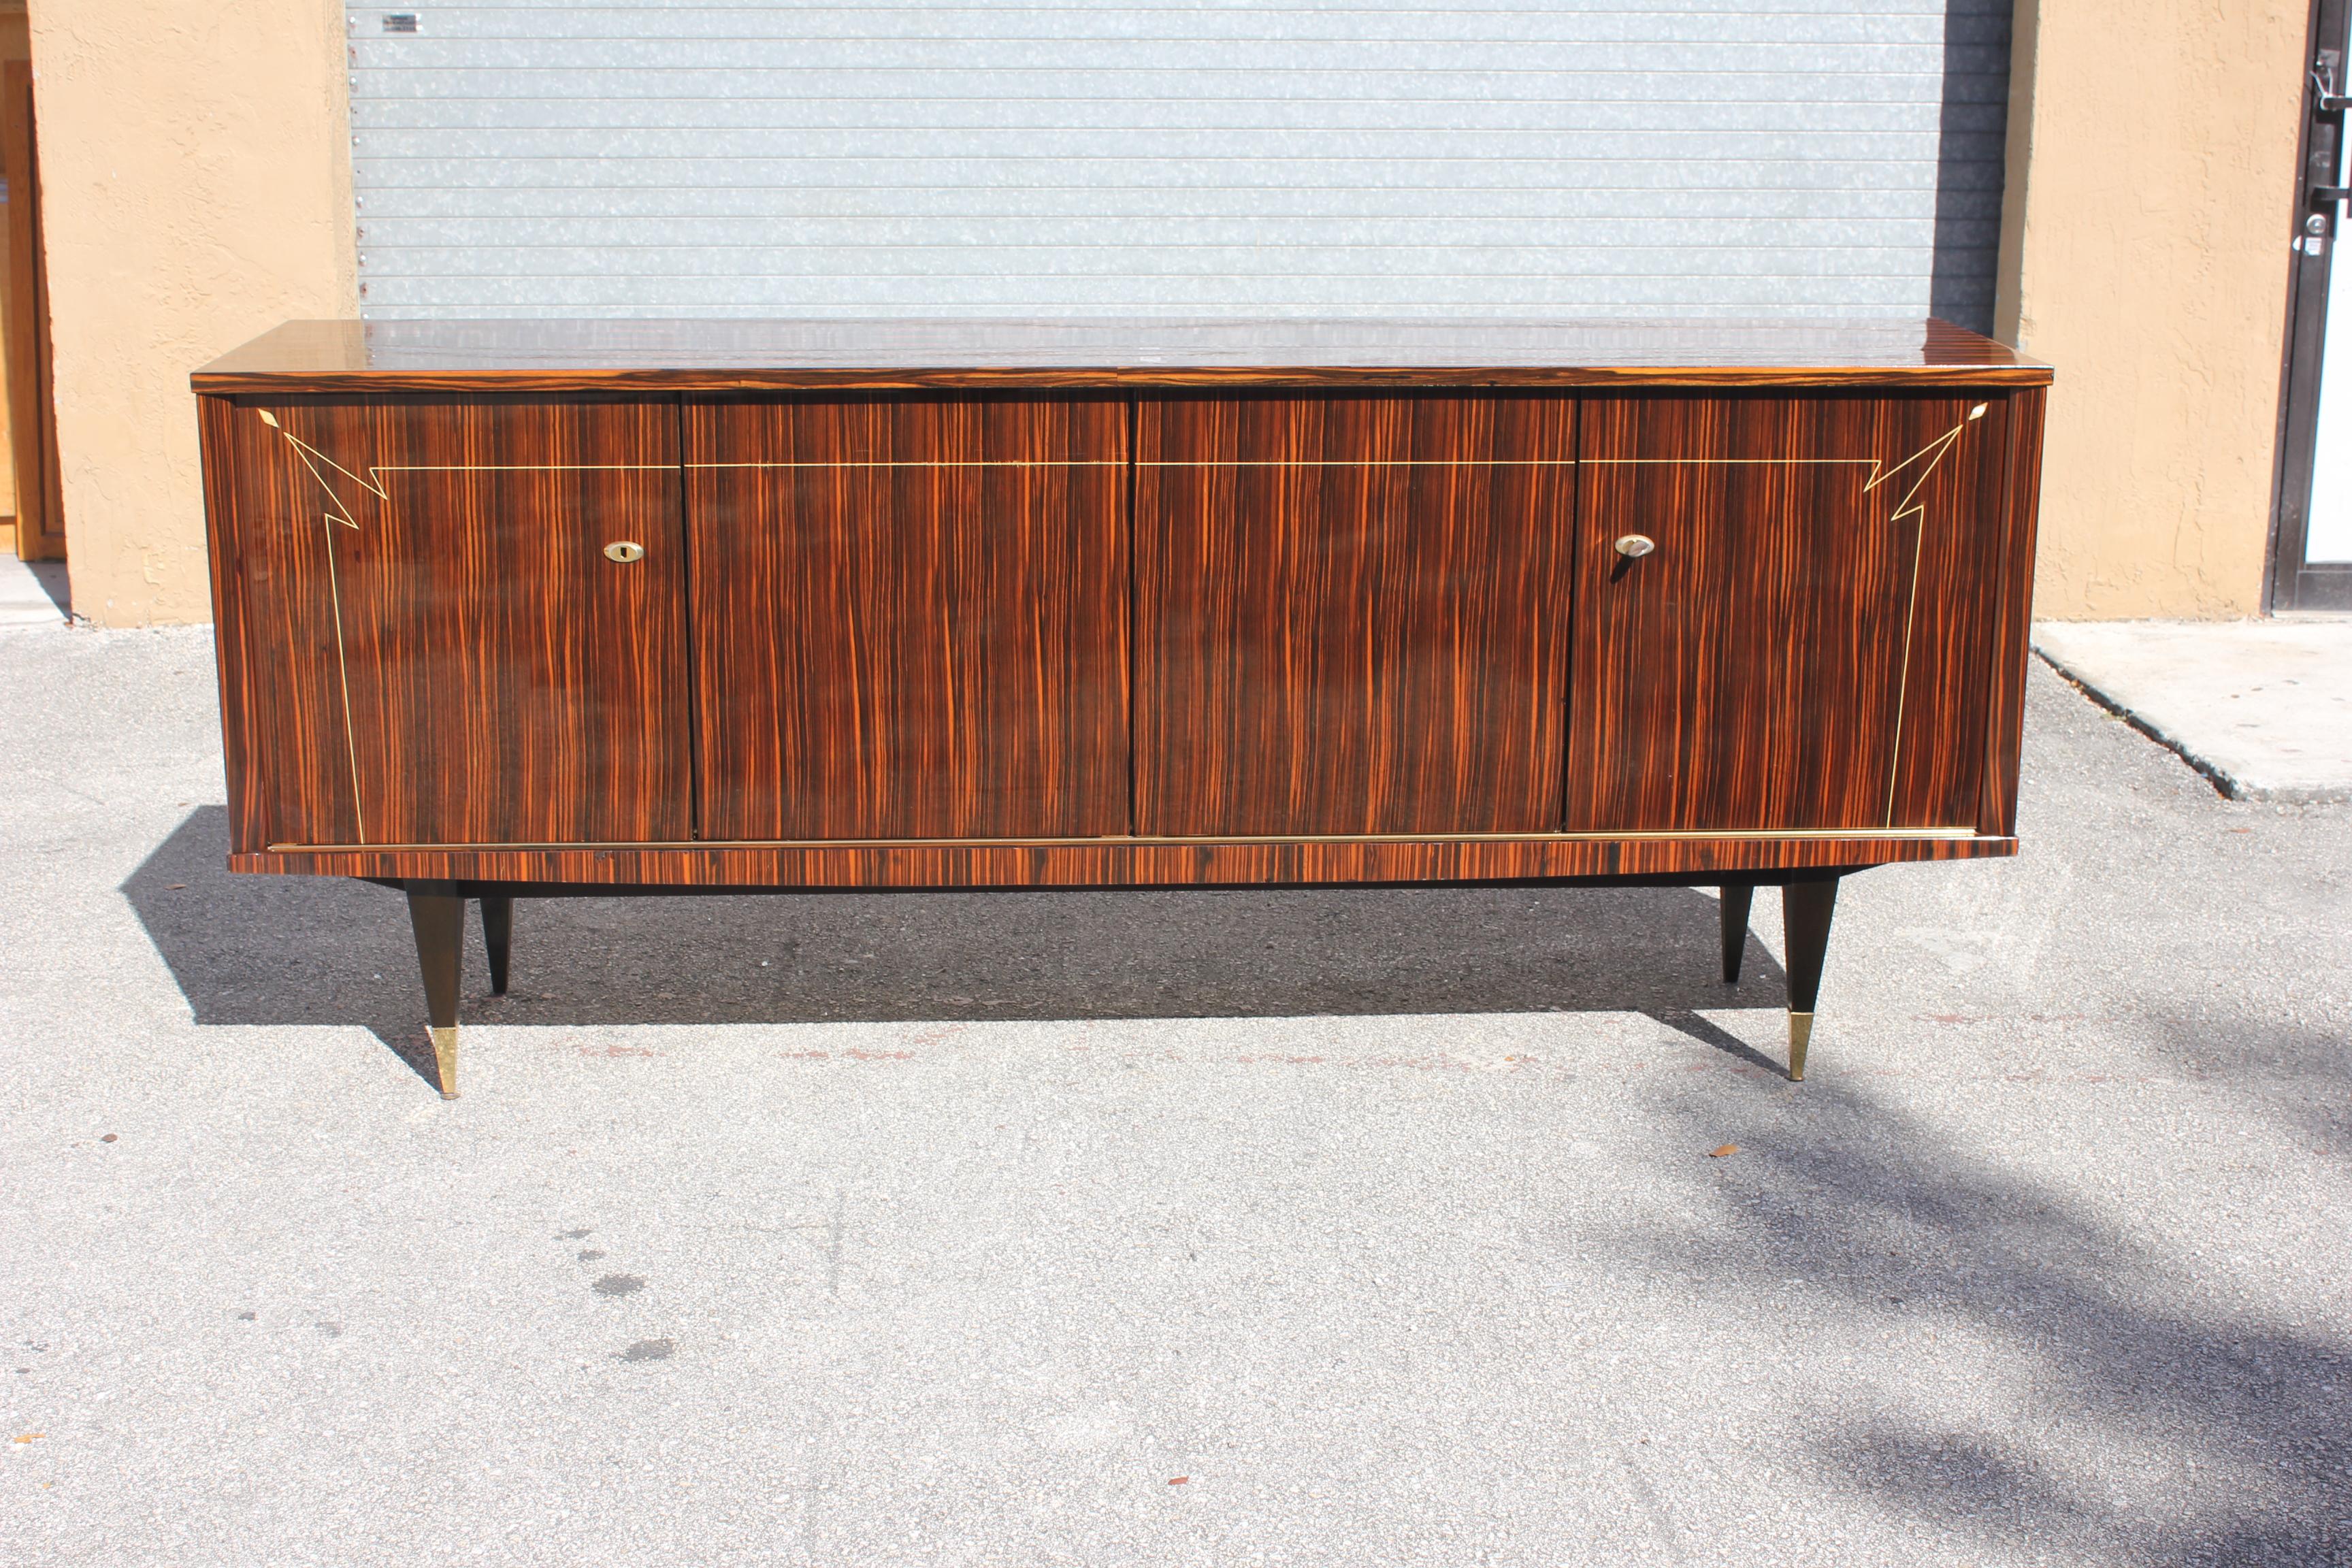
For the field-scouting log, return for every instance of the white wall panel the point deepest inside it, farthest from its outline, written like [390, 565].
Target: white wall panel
[517, 157]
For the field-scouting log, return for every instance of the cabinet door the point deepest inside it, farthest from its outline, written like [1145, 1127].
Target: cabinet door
[1350, 613]
[1806, 646]
[431, 645]
[910, 616]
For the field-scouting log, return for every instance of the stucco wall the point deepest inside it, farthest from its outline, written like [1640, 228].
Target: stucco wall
[196, 180]
[195, 190]
[2152, 192]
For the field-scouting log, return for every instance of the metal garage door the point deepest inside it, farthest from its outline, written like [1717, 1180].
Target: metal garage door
[635, 157]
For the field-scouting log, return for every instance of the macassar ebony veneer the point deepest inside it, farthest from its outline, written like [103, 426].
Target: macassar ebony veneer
[523, 608]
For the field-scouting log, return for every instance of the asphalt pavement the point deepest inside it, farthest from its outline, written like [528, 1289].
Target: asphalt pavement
[1362, 1228]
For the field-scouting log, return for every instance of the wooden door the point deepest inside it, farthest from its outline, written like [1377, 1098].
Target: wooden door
[910, 616]
[1806, 646]
[32, 408]
[1350, 613]
[425, 640]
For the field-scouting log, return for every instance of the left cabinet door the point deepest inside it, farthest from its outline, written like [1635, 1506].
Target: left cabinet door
[425, 637]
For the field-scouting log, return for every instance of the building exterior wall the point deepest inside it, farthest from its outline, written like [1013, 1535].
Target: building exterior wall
[2152, 189]
[196, 191]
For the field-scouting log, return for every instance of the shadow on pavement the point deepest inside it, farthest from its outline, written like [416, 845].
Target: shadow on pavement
[2242, 1422]
[320, 949]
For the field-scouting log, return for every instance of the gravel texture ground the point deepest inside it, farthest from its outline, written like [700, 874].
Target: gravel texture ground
[1361, 1228]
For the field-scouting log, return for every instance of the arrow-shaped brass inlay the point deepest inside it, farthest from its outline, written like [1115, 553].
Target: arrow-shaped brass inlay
[306, 452]
[1925, 461]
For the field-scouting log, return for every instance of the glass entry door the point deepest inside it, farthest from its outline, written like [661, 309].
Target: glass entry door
[2311, 556]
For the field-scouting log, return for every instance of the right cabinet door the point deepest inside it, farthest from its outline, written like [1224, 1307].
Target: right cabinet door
[1804, 645]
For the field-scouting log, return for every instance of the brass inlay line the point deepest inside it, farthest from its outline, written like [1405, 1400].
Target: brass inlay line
[1880, 473]
[343, 676]
[377, 487]
[1902, 509]
[511, 468]
[929, 463]
[305, 451]
[1933, 453]
[1740, 836]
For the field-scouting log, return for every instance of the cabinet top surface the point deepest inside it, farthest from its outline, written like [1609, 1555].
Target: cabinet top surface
[726, 355]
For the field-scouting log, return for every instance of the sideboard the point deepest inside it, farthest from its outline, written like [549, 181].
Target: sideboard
[516, 609]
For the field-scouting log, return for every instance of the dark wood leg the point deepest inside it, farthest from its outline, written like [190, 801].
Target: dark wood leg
[1806, 907]
[497, 935]
[1735, 900]
[436, 912]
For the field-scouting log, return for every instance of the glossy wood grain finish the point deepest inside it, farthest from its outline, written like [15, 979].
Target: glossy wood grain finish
[2010, 585]
[841, 605]
[887, 639]
[1117, 865]
[910, 616]
[420, 635]
[719, 356]
[1350, 613]
[1806, 648]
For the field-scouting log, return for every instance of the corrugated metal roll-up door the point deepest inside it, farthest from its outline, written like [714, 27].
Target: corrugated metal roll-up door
[1581, 157]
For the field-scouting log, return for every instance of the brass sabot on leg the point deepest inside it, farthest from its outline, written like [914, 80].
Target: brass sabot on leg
[445, 1059]
[1800, 1035]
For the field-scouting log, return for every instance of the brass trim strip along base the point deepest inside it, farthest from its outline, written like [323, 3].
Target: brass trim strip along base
[1800, 835]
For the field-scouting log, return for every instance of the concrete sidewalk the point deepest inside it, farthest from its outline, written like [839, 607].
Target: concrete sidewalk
[1346, 1227]
[2261, 708]
[32, 594]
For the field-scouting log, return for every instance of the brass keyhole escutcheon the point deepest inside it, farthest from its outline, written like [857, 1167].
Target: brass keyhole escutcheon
[622, 551]
[1633, 546]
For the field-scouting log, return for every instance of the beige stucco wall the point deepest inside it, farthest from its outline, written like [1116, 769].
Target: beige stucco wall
[196, 191]
[2151, 205]
[197, 185]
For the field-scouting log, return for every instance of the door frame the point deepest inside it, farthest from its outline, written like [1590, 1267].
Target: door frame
[32, 411]
[2291, 582]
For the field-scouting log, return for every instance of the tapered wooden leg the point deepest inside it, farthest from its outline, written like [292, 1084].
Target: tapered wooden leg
[1806, 907]
[1735, 900]
[497, 935]
[437, 914]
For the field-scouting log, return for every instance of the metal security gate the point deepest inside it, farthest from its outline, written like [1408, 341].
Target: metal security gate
[643, 158]
[2311, 525]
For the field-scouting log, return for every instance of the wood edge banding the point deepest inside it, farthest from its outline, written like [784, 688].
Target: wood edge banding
[1097, 865]
[1702, 835]
[232, 383]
